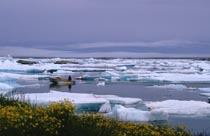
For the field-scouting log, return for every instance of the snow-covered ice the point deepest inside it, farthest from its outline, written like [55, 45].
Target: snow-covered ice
[172, 86]
[177, 107]
[77, 98]
[204, 89]
[131, 114]
[105, 108]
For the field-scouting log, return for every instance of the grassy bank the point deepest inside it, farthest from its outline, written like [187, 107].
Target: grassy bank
[58, 119]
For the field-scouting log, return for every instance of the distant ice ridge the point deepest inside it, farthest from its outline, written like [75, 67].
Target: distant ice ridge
[131, 114]
[172, 86]
[177, 107]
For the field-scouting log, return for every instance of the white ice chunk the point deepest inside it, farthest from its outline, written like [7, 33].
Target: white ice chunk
[113, 99]
[55, 96]
[121, 68]
[205, 94]
[178, 77]
[131, 114]
[5, 86]
[194, 108]
[205, 89]
[105, 108]
[101, 83]
[18, 76]
[124, 100]
[172, 86]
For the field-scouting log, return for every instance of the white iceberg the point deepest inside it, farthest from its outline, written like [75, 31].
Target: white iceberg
[105, 108]
[205, 94]
[178, 87]
[205, 89]
[113, 99]
[55, 96]
[131, 114]
[177, 107]
[101, 83]
[4, 88]
[124, 100]
[78, 98]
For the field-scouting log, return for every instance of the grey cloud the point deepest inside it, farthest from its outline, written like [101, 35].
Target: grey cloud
[94, 25]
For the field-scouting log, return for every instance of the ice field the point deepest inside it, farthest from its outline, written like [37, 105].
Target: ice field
[126, 89]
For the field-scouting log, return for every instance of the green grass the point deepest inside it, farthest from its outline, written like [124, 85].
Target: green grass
[59, 119]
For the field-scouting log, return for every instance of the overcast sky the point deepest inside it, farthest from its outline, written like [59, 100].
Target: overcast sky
[105, 28]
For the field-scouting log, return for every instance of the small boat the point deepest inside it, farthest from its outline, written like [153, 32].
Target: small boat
[61, 81]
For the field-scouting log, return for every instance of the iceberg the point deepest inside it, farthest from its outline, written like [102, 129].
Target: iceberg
[101, 83]
[113, 99]
[55, 96]
[204, 89]
[121, 68]
[5, 87]
[205, 94]
[135, 115]
[124, 100]
[172, 86]
[179, 77]
[105, 108]
[177, 107]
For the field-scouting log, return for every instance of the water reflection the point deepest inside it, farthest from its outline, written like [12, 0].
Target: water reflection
[57, 86]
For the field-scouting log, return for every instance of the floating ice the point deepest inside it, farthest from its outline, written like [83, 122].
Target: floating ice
[105, 108]
[19, 76]
[171, 86]
[194, 108]
[5, 87]
[55, 96]
[131, 114]
[113, 99]
[178, 77]
[205, 94]
[121, 68]
[87, 78]
[204, 89]
[124, 100]
[101, 83]
[78, 98]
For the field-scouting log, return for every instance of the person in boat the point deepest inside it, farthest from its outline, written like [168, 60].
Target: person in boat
[70, 79]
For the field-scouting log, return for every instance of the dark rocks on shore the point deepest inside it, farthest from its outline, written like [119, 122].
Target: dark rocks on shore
[65, 62]
[26, 62]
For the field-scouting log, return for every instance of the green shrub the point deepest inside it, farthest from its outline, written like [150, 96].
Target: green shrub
[58, 119]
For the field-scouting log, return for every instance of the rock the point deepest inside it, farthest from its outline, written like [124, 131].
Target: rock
[26, 62]
[52, 71]
[204, 59]
[65, 62]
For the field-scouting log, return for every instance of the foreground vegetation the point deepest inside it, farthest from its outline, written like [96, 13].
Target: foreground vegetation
[58, 119]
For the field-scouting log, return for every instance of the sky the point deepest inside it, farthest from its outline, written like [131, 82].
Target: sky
[105, 28]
